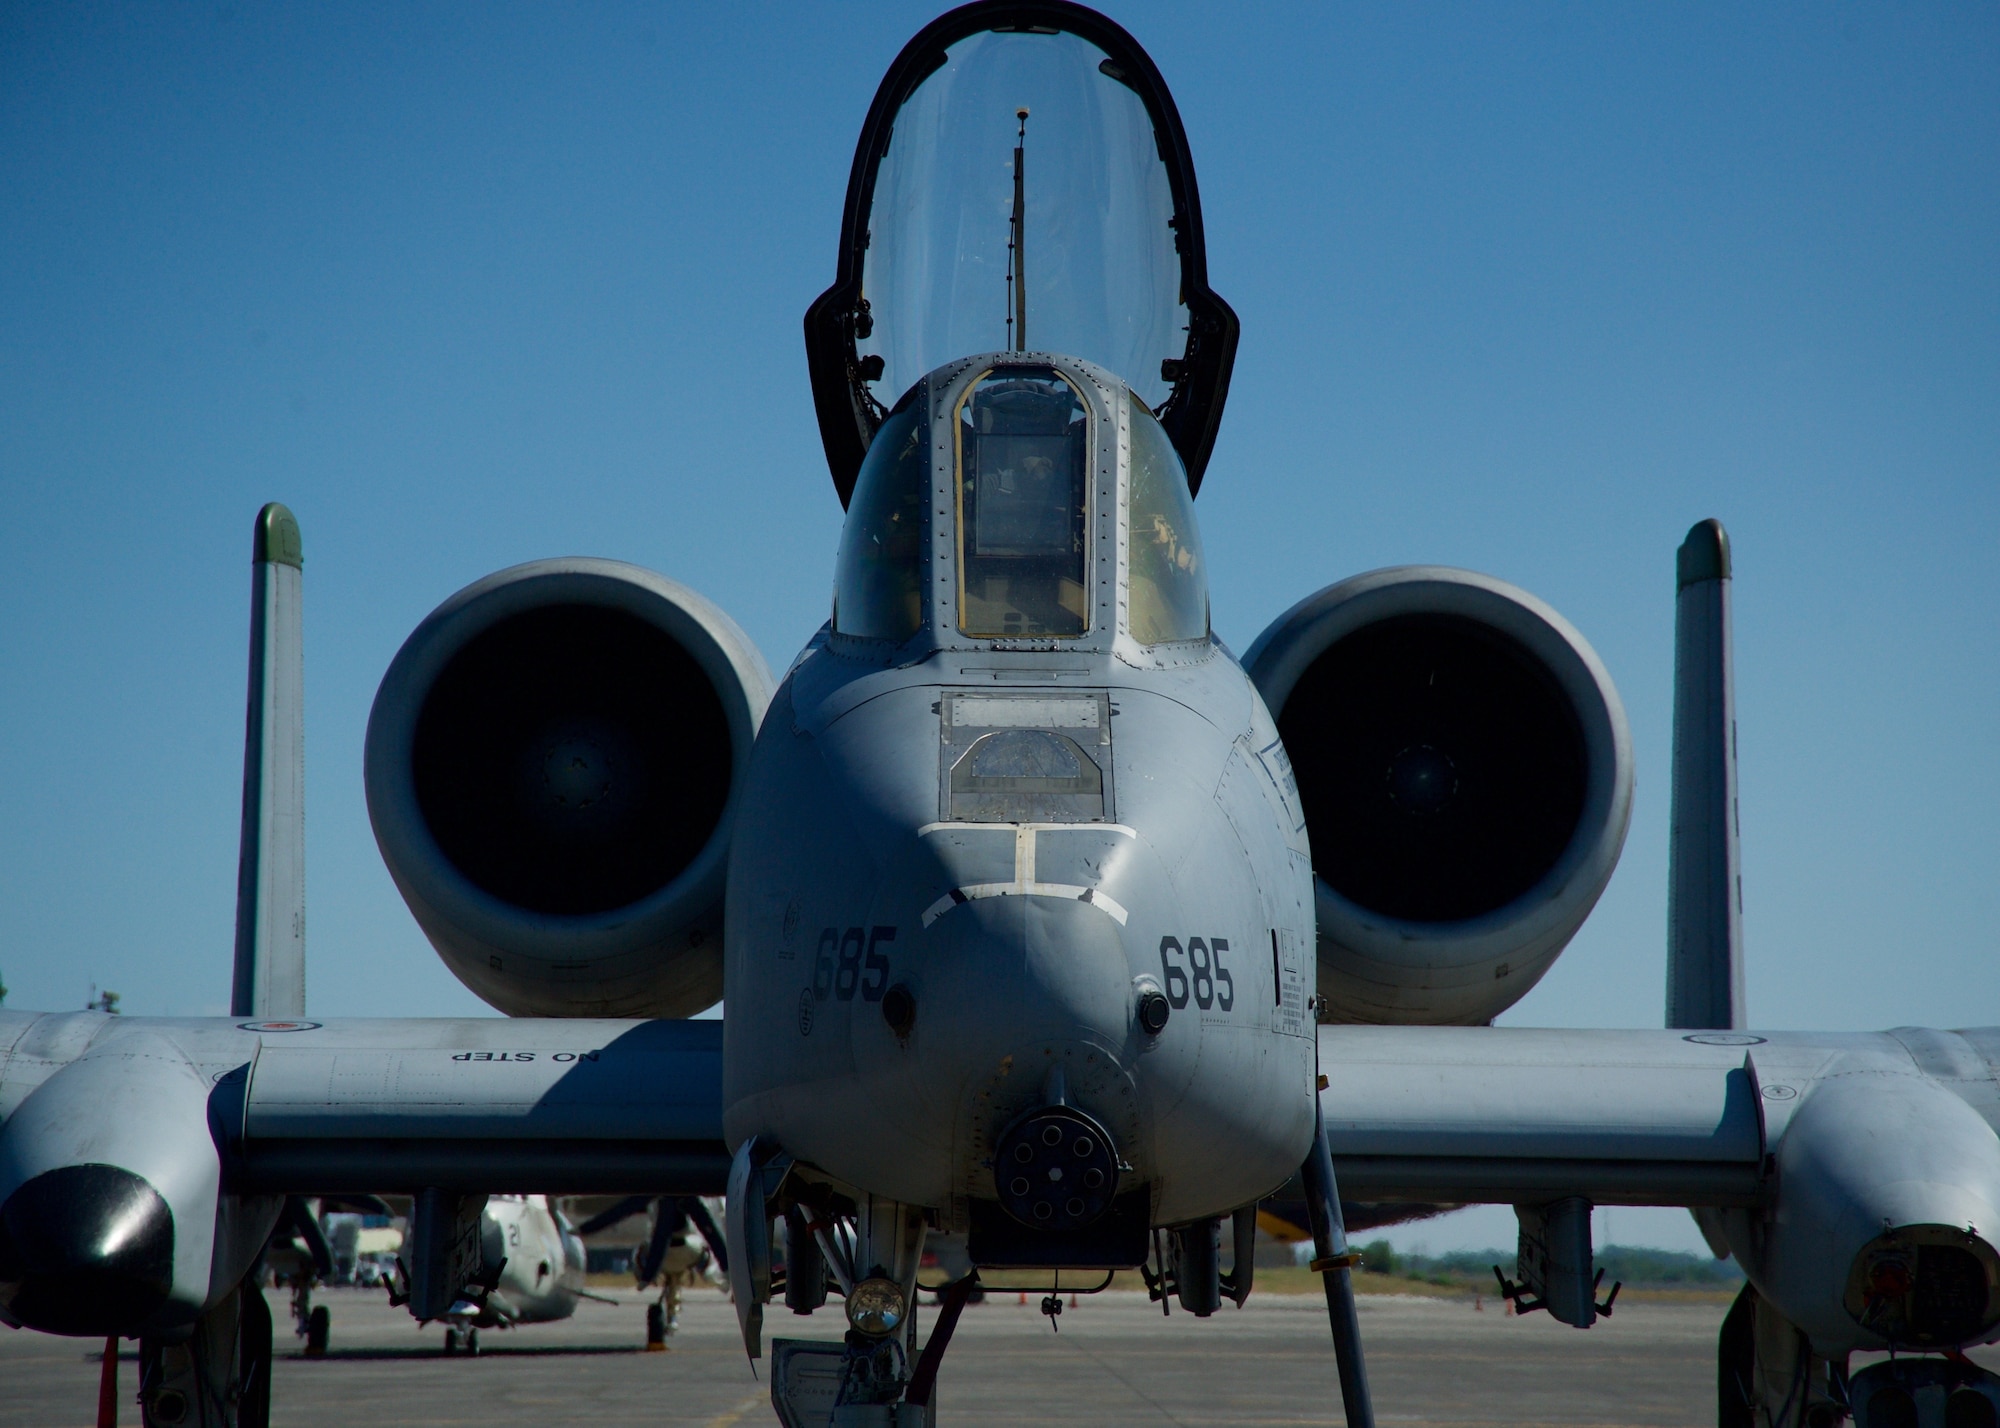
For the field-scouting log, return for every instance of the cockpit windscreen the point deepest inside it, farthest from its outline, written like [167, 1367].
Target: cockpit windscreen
[1088, 270]
[1169, 580]
[878, 583]
[1023, 506]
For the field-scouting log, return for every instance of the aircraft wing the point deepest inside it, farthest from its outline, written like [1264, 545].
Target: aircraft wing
[1440, 1114]
[494, 1104]
[1514, 1116]
[181, 1115]
[592, 1106]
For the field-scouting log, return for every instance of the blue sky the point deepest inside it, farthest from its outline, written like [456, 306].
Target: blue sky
[1528, 289]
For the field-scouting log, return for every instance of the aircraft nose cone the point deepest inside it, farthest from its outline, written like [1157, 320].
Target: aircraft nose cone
[85, 1250]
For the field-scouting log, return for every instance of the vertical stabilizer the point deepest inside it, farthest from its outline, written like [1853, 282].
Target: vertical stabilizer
[1704, 883]
[271, 867]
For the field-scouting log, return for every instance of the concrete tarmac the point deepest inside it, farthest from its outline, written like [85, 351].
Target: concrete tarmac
[1115, 1361]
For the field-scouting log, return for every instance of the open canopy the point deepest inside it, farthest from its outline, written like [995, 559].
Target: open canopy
[1022, 183]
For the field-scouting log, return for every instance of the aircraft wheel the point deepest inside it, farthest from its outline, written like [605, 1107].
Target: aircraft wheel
[450, 1340]
[319, 1328]
[472, 1341]
[656, 1326]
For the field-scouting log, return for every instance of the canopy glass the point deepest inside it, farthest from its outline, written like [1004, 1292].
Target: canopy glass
[1022, 183]
[1023, 506]
[1084, 266]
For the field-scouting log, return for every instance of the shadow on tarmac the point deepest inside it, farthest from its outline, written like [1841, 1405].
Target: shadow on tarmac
[531, 1351]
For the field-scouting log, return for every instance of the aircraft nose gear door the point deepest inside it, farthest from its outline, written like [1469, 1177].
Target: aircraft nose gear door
[1023, 169]
[866, 1379]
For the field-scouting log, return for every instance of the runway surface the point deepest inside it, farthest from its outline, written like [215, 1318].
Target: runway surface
[1115, 1361]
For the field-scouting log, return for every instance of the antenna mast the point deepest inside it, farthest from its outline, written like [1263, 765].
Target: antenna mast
[1017, 244]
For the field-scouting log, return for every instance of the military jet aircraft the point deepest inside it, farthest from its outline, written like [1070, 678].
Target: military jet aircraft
[540, 1271]
[1044, 920]
[684, 1247]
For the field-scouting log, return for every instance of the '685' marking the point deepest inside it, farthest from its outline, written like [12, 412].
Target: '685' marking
[850, 961]
[1203, 977]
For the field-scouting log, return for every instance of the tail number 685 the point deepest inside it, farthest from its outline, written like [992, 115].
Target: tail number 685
[1197, 968]
[840, 969]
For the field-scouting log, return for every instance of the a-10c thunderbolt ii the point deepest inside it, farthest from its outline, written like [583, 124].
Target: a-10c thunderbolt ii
[538, 1277]
[1047, 926]
[532, 1260]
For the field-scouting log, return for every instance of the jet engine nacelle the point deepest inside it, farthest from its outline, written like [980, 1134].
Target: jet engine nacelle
[1466, 773]
[552, 764]
[112, 1216]
[1880, 1234]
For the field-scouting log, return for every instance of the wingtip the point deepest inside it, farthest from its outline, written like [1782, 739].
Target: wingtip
[277, 540]
[1704, 555]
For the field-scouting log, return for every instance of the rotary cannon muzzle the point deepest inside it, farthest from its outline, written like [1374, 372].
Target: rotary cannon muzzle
[1056, 1169]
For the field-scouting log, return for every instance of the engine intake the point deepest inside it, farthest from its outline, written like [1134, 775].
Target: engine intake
[1466, 773]
[550, 767]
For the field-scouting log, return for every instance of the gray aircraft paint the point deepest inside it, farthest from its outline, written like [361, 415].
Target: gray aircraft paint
[1867, 1123]
[270, 978]
[222, 1117]
[1704, 874]
[656, 957]
[1024, 945]
[1805, 1146]
[91, 1090]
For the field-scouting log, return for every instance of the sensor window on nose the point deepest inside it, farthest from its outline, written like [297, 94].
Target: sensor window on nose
[1025, 759]
[1026, 775]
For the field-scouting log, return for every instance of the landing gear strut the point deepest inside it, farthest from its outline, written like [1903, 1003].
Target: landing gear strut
[219, 1377]
[1335, 1262]
[951, 1301]
[867, 1377]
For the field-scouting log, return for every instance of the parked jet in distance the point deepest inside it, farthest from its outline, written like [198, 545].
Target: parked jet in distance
[683, 1247]
[540, 1276]
[1044, 920]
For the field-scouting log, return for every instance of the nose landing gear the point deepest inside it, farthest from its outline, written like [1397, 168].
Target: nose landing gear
[872, 1248]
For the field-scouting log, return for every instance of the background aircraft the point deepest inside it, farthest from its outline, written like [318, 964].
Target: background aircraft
[536, 1255]
[541, 1259]
[541, 1274]
[683, 1246]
